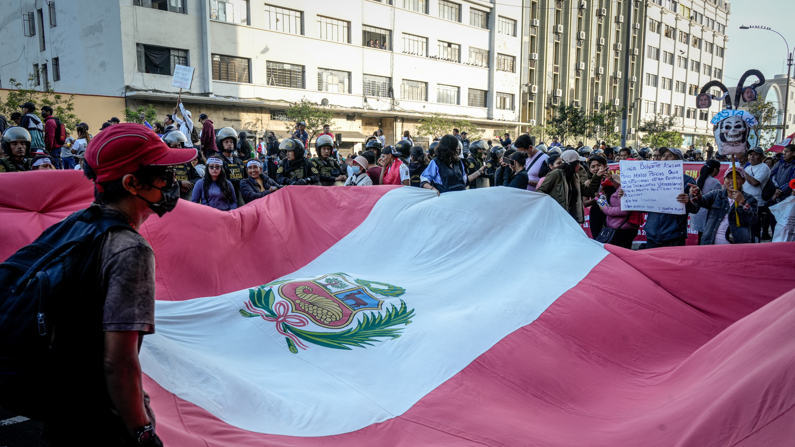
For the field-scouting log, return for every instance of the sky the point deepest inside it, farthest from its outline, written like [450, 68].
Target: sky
[766, 49]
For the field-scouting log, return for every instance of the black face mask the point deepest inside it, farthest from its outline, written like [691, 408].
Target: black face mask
[167, 203]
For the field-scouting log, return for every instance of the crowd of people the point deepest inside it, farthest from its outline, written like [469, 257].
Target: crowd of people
[230, 172]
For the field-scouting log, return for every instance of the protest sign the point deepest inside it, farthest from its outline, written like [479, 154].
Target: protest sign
[785, 218]
[652, 186]
[183, 76]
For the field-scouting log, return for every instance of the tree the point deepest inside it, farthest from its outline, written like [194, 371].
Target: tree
[702, 141]
[134, 116]
[63, 107]
[314, 117]
[567, 121]
[767, 117]
[659, 132]
[601, 124]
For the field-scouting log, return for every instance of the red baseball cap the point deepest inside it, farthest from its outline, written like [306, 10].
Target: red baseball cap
[125, 148]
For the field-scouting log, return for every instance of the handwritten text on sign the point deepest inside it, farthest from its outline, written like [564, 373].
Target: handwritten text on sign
[652, 186]
[182, 77]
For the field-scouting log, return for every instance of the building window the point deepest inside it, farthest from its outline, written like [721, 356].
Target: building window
[414, 90]
[695, 66]
[415, 45]
[504, 101]
[670, 32]
[53, 21]
[680, 87]
[42, 42]
[692, 90]
[679, 111]
[718, 51]
[651, 80]
[160, 60]
[696, 42]
[376, 37]
[668, 58]
[666, 83]
[665, 109]
[56, 69]
[708, 46]
[449, 51]
[649, 107]
[478, 18]
[36, 75]
[446, 94]
[420, 6]
[652, 53]
[478, 57]
[234, 69]
[506, 63]
[681, 62]
[703, 115]
[377, 86]
[163, 5]
[684, 38]
[29, 24]
[285, 75]
[334, 30]
[477, 98]
[333, 81]
[718, 73]
[654, 26]
[230, 11]
[449, 11]
[691, 113]
[506, 26]
[707, 69]
[284, 20]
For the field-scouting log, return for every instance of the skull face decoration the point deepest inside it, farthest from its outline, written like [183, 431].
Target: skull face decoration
[731, 134]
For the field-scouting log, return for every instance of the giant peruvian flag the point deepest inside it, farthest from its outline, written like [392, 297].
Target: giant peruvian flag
[389, 316]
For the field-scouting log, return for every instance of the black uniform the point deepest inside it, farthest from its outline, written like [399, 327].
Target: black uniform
[235, 170]
[186, 173]
[473, 164]
[415, 171]
[297, 172]
[11, 165]
[328, 169]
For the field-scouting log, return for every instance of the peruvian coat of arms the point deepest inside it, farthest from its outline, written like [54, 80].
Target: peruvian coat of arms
[347, 311]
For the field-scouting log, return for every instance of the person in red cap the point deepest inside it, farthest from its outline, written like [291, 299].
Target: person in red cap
[97, 360]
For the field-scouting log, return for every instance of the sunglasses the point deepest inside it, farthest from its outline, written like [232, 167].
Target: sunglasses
[214, 167]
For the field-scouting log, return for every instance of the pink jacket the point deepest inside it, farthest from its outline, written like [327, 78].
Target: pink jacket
[615, 216]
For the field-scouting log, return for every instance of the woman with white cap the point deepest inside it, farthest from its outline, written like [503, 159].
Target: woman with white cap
[257, 185]
[567, 187]
[214, 189]
[359, 177]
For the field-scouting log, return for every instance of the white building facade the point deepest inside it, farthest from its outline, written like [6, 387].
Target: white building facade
[374, 64]
[685, 47]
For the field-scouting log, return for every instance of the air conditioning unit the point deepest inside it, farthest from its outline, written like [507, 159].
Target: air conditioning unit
[634, 79]
[534, 89]
[532, 122]
[598, 99]
[559, 29]
[617, 75]
[635, 51]
[636, 25]
[558, 93]
[600, 70]
[616, 103]
[617, 47]
[616, 129]
[632, 131]
[602, 12]
[619, 19]
[534, 56]
[601, 41]
[535, 23]
[581, 35]
[583, 4]
[581, 66]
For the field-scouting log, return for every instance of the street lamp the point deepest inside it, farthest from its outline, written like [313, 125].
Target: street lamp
[789, 68]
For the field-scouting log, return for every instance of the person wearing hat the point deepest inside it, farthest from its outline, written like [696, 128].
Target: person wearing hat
[474, 162]
[207, 138]
[395, 172]
[257, 184]
[226, 141]
[757, 175]
[16, 146]
[295, 169]
[131, 169]
[42, 162]
[568, 188]
[300, 133]
[359, 177]
[721, 226]
[419, 161]
[214, 189]
[185, 175]
[34, 125]
[331, 172]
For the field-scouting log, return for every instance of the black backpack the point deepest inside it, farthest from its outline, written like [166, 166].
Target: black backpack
[54, 268]
[768, 191]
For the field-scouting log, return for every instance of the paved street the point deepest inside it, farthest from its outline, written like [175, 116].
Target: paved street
[18, 431]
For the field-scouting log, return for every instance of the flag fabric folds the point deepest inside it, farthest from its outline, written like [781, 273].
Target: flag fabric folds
[390, 316]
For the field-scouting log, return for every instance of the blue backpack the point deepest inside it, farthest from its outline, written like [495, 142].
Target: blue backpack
[58, 267]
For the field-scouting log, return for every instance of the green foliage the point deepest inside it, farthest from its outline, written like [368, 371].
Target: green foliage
[62, 106]
[659, 132]
[702, 141]
[147, 111]
[766, 115]
[568, 121]
[314, 117]
[437, 126]
[601, 124]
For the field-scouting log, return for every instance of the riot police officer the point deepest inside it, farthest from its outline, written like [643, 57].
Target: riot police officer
[295, 169]
[375, 147]
[226, 141]
[419, 162]
[329, 168]
[16, 145]
[185, 175]
[403, 151]
[432, 149]
[475, 161]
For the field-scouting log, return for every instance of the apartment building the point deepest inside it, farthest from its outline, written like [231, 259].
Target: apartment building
[585, 53]
[375, 64]
[685, 47]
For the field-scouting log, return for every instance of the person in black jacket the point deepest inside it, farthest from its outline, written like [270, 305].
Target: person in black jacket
[418, 164]
[503, 167]
[516, 175]
[226, 140]
[295, 169]
[185, 175]
[257, 184]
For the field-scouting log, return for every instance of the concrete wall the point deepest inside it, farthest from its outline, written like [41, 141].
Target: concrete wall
[92, 110]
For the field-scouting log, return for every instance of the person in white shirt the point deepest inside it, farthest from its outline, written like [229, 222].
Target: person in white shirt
[535, 159]
[757, 174]
[381, 137]
[186, 126]
[359, 175]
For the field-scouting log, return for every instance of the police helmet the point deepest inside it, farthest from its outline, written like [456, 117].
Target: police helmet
[403, 148]
[634, 153]
[555, 150]
[302, 123]
[585, 151]
[542, 147]
[479, 145]
[223, 134]
[434, 145]
[323, 141]
[416, 152]
[374, 145]
[293, 144]
[16, 134]
[174, 136]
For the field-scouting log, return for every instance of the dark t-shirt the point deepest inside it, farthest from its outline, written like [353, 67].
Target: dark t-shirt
[375, 174]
